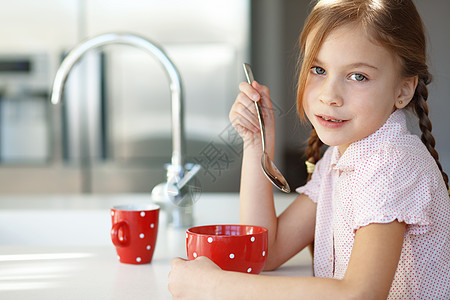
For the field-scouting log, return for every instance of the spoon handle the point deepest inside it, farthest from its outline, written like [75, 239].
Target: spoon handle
[250, 79]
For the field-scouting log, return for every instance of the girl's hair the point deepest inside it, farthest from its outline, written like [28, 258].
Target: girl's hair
[393, 24]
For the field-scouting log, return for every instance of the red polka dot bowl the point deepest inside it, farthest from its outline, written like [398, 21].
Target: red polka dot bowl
[241, 248]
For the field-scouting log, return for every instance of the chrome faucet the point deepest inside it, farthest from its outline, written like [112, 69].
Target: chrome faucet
[175, 195]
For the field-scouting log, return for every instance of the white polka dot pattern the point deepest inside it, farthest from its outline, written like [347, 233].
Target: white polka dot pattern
[387, 176]
[229, 246]
[136, 231]
[252, 239]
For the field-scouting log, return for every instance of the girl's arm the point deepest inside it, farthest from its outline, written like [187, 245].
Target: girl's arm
[369, 275]
[294, 229]
[256, 205]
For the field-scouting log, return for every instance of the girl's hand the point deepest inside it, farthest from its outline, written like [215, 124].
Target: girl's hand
[194, 279]
[243, 114]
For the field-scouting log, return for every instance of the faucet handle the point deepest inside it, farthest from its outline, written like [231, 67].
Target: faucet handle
[177, 190]
[181, 193]
[189, 175]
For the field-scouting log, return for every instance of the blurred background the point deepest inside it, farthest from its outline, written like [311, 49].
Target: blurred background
[112, 133]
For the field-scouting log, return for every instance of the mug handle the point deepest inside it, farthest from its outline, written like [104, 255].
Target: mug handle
[115, 234]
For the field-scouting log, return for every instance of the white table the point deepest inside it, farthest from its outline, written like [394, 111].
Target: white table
[83, 264]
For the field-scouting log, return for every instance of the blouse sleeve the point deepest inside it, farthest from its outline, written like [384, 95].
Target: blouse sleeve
[396, 187]
[312, 187]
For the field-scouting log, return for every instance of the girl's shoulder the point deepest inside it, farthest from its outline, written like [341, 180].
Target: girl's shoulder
[402, 165]
[404, 153]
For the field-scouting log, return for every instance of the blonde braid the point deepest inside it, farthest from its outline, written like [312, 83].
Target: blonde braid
[312, 152]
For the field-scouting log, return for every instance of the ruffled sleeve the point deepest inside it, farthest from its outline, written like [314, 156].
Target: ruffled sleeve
[396, 186]
[313, 187]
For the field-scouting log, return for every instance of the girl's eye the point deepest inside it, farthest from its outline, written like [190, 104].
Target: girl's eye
[358, 77]
[318, 70]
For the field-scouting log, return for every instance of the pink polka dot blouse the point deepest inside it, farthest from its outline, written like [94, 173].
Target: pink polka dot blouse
[386, 176]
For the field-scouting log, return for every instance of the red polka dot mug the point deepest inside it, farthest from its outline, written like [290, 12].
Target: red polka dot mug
[241, 248]
[134, 232]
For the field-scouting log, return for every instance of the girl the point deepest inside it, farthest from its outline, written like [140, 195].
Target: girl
[377, 205]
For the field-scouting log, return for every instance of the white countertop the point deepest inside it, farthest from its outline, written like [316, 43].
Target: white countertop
[58, 247]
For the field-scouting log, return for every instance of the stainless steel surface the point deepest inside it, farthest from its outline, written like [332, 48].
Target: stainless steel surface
[101, 140]
[158, 53]
[24, 131]
[168, 194]
[269, 168]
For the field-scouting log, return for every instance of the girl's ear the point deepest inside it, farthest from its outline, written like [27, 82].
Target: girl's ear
[406, 92]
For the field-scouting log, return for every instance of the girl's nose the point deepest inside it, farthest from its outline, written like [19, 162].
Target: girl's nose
[331, 93]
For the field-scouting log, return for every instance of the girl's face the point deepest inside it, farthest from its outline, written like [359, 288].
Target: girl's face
[352, 88]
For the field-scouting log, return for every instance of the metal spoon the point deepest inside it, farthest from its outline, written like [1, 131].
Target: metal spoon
[269, 168]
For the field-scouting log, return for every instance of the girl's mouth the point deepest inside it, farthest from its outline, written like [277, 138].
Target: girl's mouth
[330, 122]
